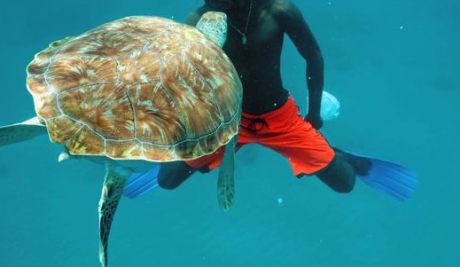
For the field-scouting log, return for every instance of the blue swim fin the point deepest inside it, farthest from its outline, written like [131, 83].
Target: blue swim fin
[389, 177]
[140, 183]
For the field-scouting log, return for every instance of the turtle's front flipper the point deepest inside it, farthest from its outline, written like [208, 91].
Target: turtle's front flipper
[226, 180]
[19, 132]
[112, 190]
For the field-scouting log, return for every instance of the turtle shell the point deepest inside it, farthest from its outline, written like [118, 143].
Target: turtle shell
[144, 88]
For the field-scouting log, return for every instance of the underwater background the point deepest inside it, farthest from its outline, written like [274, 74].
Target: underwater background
[394, 66]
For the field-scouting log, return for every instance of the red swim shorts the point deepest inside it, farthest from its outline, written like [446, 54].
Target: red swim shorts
[285, 131]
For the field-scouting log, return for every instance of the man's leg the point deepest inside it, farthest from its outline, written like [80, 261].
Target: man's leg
[340, 174]
[172, 174]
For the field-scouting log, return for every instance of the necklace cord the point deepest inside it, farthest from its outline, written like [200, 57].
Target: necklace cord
[243, 34]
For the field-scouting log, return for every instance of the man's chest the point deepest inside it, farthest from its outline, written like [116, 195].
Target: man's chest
[263, 32]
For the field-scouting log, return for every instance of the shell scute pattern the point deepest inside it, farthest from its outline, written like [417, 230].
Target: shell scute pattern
[77, 72]
[94, 106]
[137, 88]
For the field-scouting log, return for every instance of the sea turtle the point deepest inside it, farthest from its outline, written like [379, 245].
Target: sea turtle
[138, 89]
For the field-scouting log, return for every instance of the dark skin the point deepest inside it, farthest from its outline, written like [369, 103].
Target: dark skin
[258, 64]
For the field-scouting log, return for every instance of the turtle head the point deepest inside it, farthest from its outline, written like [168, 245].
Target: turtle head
[214, 26]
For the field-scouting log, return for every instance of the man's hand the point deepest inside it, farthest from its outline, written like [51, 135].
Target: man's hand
[315, 121]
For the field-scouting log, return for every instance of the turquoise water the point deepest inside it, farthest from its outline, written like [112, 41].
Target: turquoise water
[392, 64]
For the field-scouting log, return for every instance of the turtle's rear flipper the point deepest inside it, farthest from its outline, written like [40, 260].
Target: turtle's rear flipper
[112, 190]
[23, 131]
[226, 179]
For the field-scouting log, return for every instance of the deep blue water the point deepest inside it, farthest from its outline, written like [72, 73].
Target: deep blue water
[392, 64]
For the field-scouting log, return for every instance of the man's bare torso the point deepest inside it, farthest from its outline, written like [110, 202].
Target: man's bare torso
[257, 61]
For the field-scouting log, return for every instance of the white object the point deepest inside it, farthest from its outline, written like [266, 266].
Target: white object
[330, 106]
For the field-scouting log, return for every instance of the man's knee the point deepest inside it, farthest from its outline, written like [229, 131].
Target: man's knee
[346, 185]
[173, 174]
[166, 183]
[338, 175]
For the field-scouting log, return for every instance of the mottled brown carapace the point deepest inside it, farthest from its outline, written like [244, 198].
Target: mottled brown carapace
[143, 88]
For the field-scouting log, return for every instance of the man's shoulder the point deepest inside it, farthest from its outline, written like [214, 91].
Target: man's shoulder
[282, 7]
[286, 13]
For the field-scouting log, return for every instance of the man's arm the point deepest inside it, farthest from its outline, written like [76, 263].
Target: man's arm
[292, 22]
